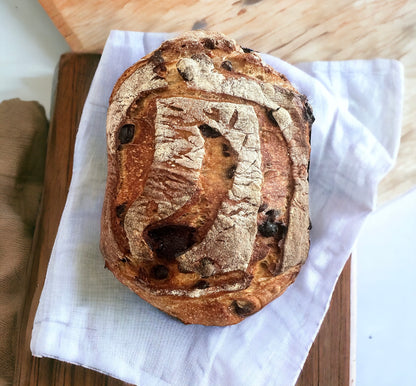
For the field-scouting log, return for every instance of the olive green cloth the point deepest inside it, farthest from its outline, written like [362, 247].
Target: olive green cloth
[23, 140]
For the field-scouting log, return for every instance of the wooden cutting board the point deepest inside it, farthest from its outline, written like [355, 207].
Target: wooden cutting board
[293, 30]
[329, 359]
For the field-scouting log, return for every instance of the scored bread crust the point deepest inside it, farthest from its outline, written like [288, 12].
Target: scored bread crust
[205, 212]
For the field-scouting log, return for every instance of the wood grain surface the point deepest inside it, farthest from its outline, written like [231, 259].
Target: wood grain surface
[328, 361]
[293, 30]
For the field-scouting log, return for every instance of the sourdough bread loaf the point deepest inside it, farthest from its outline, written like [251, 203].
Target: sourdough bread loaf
[205, 212]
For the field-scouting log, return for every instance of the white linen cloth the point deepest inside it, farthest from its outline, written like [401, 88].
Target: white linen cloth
[87, 317]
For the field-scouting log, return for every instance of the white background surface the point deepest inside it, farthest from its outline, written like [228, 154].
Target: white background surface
[386, 295]
[30, 48]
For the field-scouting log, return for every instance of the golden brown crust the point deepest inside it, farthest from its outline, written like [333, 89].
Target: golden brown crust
[206, 213]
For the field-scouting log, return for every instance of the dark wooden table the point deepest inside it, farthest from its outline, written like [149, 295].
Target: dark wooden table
[328, 362]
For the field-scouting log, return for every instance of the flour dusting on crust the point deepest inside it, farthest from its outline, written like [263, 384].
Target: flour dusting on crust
[179, 151]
